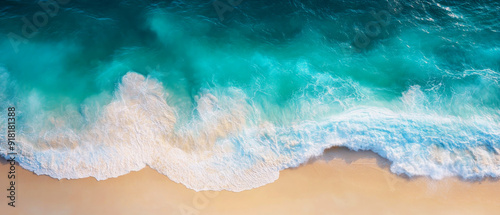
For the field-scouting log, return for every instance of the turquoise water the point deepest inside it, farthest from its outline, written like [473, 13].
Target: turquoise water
[226, 102]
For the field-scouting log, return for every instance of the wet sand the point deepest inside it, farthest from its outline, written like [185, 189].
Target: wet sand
[339, 182]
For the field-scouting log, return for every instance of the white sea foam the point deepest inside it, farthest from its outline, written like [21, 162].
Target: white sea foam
[228, 147]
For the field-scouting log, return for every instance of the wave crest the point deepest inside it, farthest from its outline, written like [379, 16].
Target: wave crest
[227, 146]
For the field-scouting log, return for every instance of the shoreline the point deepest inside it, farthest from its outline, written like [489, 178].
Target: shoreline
[339, 182]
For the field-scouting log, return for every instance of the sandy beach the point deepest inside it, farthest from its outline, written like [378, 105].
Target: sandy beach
[339, 182]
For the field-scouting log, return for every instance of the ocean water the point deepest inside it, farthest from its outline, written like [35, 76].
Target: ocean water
[222, 95]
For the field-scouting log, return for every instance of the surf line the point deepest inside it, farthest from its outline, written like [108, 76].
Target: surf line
[11, 138]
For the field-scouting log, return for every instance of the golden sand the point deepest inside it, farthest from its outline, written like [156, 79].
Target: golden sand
[340, 182]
